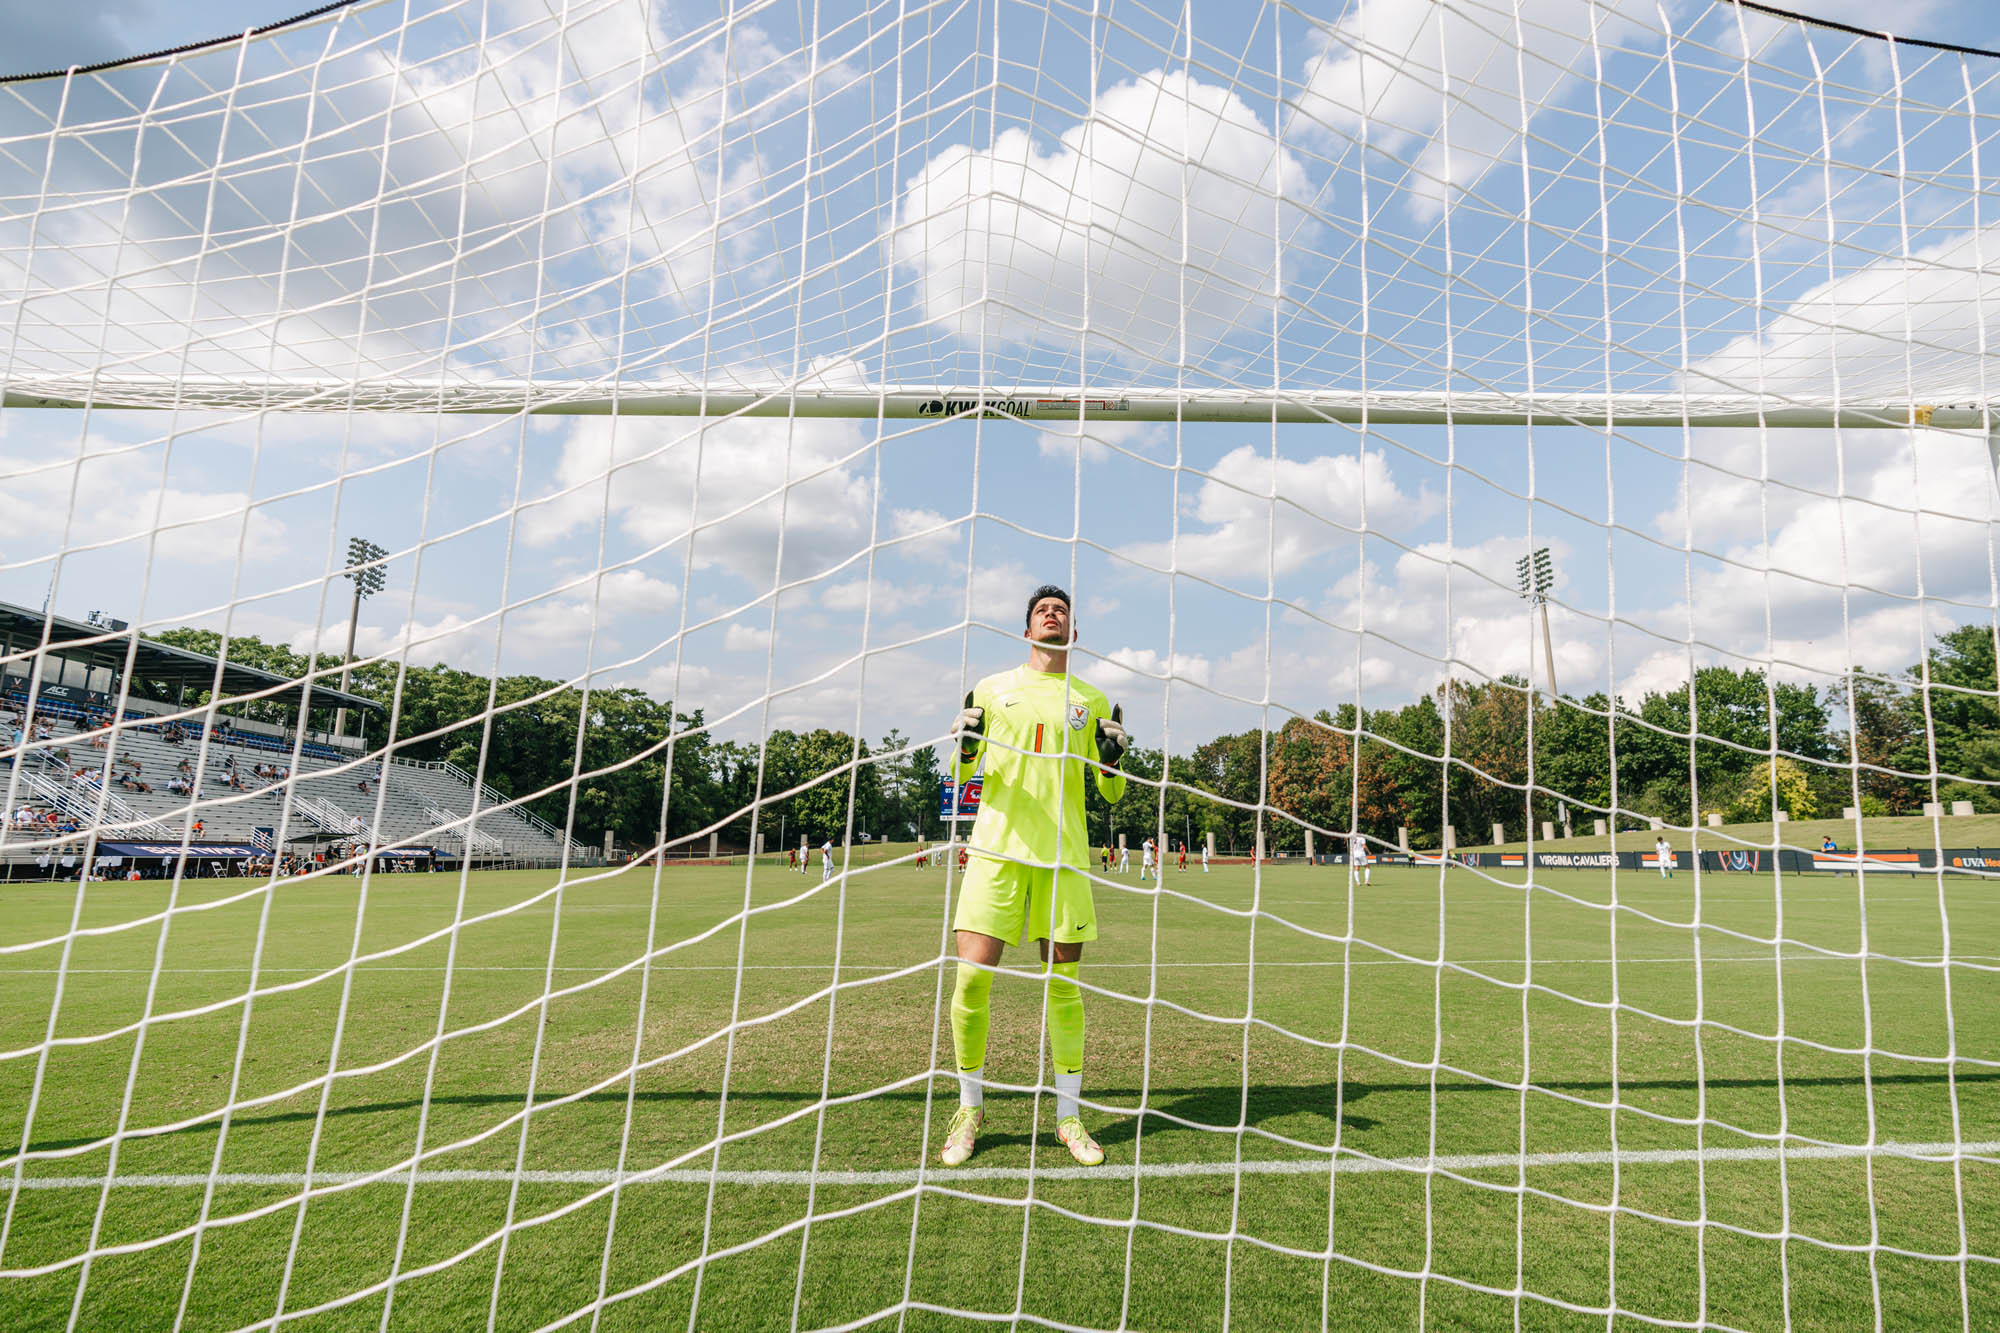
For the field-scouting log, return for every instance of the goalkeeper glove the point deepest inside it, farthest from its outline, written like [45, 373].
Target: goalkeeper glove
[1111, 739]
[966, 727]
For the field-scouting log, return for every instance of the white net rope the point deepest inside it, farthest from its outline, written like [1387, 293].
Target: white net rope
[717, 387]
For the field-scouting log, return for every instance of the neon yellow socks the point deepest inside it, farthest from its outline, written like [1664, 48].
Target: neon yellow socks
[1065, 1019]
[970, 1010]
[1066, 1036]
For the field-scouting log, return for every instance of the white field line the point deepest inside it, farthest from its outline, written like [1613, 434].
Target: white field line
[1941, 1153]
[1686, 960]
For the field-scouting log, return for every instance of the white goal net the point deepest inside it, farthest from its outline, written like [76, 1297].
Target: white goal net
[490, 489]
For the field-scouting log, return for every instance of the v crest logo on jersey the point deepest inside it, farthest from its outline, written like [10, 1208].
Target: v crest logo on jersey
[1079, 714]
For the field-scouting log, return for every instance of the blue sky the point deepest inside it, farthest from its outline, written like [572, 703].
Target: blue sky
[648, 201]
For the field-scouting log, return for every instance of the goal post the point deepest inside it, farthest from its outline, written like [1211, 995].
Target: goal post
[1044, 405]
[706, 394]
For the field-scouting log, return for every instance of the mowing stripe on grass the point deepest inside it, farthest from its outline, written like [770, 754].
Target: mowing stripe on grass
[1110, 1171]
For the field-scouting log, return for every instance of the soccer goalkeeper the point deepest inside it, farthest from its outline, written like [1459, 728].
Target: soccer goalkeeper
[1041, 730]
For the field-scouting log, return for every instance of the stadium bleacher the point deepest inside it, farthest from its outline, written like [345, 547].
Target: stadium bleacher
[328, 795]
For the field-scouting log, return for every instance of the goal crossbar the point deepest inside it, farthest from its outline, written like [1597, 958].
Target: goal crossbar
[908, 402]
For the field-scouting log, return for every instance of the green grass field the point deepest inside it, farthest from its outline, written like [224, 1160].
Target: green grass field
[1364, 1053]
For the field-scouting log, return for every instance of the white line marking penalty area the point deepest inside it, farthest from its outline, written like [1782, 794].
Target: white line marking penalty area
[1940, 1153]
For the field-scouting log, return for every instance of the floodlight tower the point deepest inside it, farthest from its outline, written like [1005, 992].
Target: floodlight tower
[364, 566]
[1536, 575]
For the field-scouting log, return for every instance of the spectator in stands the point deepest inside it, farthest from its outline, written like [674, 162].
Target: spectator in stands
[197, 828]
[177, 785]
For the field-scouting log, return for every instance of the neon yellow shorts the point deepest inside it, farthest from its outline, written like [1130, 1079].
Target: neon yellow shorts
[1016, 903]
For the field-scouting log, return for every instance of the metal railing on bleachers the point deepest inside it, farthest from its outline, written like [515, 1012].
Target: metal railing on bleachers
[82, 805]
[488, 796]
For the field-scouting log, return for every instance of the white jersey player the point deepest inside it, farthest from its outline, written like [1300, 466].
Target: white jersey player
[1124, 859]
[1663, 852]
[1204, 856]
[1146, 859]
[826, 861]
[1357, 859]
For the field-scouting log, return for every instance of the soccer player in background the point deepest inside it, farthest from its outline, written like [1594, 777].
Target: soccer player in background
[1145, 860]
[1357, 859]
[826, 861]
[1204, 856]
[1182, 867]
[1663, 852]
[1124, 859]
[1041, 731]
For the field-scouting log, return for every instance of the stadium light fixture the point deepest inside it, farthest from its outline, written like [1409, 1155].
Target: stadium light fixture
[1535, 574]
[365, 568]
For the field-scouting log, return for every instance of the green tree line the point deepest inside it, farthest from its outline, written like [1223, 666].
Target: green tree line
[537, 733]
[1734, 742]
[1737, 743]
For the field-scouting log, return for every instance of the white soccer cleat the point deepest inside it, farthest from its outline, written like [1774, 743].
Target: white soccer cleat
[1077, 1139]
[964, 1132]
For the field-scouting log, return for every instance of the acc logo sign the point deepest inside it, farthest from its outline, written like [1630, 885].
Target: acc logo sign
[1078, 715]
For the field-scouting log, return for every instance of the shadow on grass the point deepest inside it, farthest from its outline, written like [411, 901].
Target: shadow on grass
[1207, 1104]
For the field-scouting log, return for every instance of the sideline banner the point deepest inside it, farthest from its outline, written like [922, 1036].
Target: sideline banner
[1786, 860]
[968, 798]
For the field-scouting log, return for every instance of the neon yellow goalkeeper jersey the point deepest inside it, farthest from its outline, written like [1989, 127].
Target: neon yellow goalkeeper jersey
[1041, 741]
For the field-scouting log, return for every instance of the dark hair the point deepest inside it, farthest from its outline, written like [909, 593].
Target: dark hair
[1046, 590]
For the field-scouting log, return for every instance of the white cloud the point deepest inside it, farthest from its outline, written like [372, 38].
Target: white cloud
[746, 483]
[1838, 576]
[1441, 602]
[188, 526]
[1097, 439]
[1024, 245]
[879, 596]
[633, 592]
[927, 532]
[450, 638]
[1455, 78]
[1895, 328]
[1127, 664]
[1247, 492]
[742, 638]
[485, 206]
